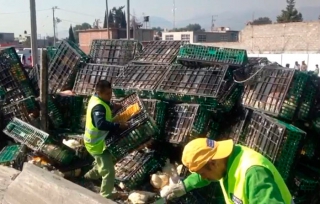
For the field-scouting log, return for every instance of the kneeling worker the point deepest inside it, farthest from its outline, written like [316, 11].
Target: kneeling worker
[98, 125]
[245, 176]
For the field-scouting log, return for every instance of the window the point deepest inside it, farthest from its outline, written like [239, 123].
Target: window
[169, 37]
[234, 36]
[202, 38]
[224, 38]
[185, 37]
[1, 36]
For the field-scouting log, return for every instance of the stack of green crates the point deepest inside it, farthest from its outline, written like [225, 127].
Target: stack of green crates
[208, 54]
[294, 96]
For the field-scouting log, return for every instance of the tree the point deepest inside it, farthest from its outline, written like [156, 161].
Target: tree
[291, 14]
[105, 20]
[118, 17]
[159, 30]
[123, 20]
[71, 35]
[110, 19]
[83, 26]
[262, 21]
[190, 27]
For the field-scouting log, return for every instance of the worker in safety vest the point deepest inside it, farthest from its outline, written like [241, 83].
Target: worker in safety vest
[245, 176]
[98, 125]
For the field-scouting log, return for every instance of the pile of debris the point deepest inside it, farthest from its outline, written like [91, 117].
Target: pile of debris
[171, 92]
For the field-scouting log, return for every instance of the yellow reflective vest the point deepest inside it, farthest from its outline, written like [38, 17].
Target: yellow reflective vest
[237, 175]
[94, 139]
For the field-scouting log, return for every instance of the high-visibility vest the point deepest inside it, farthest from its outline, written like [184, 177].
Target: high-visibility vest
[247, 158]
[94, 139]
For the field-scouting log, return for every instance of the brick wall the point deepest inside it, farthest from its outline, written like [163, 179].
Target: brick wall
[86, 37]
[278, 38]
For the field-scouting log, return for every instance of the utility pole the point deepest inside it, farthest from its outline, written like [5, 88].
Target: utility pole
[128, 19]
[33, 19]
[107, 14]
[54, 25]
[174, 14]
[212, 22]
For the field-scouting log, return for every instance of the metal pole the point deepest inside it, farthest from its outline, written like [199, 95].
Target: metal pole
[44, 90]
[107, 12]
[128, 19]
[54, 27]
[33, 19]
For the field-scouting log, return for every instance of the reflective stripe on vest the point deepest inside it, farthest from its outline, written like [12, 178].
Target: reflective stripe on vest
[247, 158]
[98, 136]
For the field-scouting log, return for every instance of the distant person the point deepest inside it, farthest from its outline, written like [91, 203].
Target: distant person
[297, 66]
[287, 65]
[316, 70]
[304, 66]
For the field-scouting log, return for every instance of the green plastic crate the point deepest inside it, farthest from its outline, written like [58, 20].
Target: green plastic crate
[278, 141]
[308, 100]
[134, 139]
[157, 110]
[113, 52]
[54, 113]
[201, 122]
[203, 85]
[134, 169]
[276, 91]
[58, 154]
[305, 182]
[294, 96]
[26, 134]
[207, 54]
[13, 156]
[20, 109]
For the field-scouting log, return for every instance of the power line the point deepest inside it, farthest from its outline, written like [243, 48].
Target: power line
[20, 12]
[75, 12]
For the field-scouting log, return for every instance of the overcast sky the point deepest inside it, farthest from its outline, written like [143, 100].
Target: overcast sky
[15, 16]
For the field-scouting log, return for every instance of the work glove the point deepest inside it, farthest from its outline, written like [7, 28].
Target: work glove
[175, 191]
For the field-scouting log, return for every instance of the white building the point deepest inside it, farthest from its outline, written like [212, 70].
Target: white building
[219, 35]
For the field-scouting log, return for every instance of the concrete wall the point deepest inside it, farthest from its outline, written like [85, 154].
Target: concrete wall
[301, 37]
[283, 59]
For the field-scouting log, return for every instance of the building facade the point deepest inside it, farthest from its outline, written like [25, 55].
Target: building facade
[86, 36]
[6, 37]
[221, 35]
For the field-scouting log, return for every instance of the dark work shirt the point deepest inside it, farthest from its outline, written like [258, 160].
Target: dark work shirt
[98, 115]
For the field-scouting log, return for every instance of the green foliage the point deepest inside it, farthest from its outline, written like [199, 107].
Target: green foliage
[291, 14]
[71, 35]
[262, 21]
[190, 27]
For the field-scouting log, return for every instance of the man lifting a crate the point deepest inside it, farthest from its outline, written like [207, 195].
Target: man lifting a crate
[98, 125]
[245, 176]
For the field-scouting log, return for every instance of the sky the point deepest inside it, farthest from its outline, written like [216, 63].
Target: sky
[15, 15]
